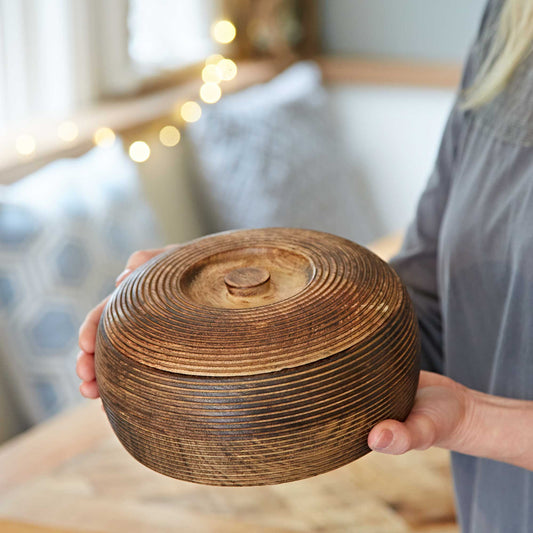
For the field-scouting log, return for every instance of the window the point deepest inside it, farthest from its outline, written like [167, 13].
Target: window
[39, 74]
[168, 34]
[59, 56]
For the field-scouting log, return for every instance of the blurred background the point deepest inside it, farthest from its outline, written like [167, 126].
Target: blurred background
[127, 124]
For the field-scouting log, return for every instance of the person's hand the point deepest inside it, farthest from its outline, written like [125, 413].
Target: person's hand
[87, 334]
[438, 418]
[452, 416]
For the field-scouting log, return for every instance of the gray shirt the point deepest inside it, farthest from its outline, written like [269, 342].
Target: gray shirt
[468, 262]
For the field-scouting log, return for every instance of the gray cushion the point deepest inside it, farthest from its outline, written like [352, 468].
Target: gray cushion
[270, 156]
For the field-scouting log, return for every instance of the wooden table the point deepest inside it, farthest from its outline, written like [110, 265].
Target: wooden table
[71, 474]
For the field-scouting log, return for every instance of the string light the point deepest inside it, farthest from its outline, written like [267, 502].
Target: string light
[104, 137]
[139, 151]
[227, 69]
[169, 136]
[217, 68]
[210, 93]
[223, 31]
[67, 131]
[25, 144]
[211, 74]
[213, 59]
[191, 111]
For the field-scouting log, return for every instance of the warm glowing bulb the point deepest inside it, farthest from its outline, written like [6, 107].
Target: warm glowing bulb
[223, 31]
[25, 144]
[213, 59]
[227, 69]
[104, 137]
[211, 74]
[139, 151]
[191, 111]
[210, 93]
[169, 136]
[67, 131]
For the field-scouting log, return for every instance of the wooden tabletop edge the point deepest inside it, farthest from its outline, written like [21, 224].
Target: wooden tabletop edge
[41, 448]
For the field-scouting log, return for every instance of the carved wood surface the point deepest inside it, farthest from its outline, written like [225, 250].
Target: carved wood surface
[256, 357]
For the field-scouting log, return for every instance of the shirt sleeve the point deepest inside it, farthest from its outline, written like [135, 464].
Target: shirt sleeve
[416, 263]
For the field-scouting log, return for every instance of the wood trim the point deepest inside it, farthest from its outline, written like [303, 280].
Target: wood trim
[168, 79]
[356, 70]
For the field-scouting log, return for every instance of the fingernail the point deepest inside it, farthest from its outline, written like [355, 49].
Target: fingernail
[384, 440]
[122, 275]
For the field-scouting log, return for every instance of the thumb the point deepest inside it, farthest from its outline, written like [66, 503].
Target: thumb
[435, 420]
[418, 432]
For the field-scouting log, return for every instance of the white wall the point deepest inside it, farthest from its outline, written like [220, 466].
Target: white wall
[435, 30]
[392, 133]
[391, 136]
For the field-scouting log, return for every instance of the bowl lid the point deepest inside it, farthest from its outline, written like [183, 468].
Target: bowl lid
[252, 301]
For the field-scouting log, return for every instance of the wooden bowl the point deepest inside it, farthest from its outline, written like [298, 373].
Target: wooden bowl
[256, 357]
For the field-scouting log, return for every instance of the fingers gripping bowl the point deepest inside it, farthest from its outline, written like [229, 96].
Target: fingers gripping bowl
[256, 357]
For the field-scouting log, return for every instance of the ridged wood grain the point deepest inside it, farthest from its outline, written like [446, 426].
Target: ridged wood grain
[256, 357]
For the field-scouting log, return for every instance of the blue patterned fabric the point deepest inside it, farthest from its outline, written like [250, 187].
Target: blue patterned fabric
[65, 233]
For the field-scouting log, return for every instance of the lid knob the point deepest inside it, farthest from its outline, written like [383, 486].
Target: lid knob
[247, 281]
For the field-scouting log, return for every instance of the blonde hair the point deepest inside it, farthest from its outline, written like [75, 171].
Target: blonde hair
[511, 45]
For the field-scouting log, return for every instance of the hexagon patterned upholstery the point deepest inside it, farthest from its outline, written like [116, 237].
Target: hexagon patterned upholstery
[65, 234]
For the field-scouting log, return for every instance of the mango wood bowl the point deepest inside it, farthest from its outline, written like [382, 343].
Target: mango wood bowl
[256, 357]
